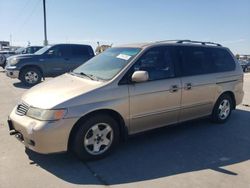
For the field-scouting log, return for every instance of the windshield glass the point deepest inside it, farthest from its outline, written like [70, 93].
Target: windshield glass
[107, 64]
[42, 50]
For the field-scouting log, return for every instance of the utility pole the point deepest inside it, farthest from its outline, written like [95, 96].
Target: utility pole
[45, 28]
[10, 39]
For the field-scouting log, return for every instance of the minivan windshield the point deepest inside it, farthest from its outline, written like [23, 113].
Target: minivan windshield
[42, 50]
[107, 64]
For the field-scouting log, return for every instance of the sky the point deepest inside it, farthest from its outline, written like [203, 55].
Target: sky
[127, 21]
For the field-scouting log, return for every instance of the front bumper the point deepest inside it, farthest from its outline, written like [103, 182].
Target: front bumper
[12, 73]
[42, 136]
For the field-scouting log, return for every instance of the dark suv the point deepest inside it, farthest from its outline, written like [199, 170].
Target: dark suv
[51, 60]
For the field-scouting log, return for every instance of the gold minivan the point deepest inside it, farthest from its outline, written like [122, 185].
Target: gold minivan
[127, 90]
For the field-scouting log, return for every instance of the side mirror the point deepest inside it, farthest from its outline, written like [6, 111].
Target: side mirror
[51, 52]
[140, 76]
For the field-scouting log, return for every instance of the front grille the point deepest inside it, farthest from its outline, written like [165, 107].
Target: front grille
[22, 109]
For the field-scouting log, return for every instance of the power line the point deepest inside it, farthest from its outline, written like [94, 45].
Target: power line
[29, 16]
[32, 12]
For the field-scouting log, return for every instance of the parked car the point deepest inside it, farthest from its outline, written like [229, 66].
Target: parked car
[127, 90]
[19, 50]
[52, 60]
[245, 65]
[28, 50]
[4, 55]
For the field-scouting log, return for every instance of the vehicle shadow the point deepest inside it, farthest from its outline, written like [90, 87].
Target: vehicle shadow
[188, 147]
[21, 85]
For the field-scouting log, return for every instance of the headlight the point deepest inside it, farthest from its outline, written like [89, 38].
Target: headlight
[13, 61]
[46, 115]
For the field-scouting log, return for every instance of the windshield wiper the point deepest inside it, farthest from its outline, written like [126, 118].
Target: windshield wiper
[90, 76]
[87, 75]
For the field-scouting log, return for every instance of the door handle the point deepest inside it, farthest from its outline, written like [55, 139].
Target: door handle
[174, 88]
[188, 86]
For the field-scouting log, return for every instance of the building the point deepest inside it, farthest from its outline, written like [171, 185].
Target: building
[4, 45]
[244, 57]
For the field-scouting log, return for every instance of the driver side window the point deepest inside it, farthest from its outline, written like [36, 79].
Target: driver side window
[60, 51]
[57, 52]
[158, 62]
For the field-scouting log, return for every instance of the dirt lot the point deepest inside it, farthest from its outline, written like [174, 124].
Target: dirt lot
[193, 154]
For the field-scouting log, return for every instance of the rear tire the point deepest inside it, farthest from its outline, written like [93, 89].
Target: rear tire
[95, 138]
[30, 76]
[222, 109]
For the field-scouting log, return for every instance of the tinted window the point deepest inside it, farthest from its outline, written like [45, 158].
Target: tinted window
[158, 62]
[200, 60]
[61, 51]
[36, 49]
[29, 50]
[81, 51]
[222, 60]
[195, 60]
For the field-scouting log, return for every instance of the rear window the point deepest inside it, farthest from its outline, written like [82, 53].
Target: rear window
[200, 60]
[82, 51]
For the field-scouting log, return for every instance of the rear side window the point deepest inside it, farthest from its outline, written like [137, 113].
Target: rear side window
[222, 60]
[200, 60]
[81, 51]
[194, 60]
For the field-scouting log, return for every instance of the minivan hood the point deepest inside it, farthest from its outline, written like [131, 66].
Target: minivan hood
[51, 93]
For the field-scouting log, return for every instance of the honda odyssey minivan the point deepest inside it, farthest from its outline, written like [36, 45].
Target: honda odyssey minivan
[127, 90]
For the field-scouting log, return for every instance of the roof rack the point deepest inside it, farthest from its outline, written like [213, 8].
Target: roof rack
[191, 41]
[168, 41]
[199, 42]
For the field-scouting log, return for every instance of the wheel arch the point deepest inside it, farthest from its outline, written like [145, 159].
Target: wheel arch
[123, 132]
[231, 94]
[31, 66]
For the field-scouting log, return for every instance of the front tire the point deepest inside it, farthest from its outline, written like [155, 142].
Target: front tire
[222, 109]
[30, 76]
[96, 137]
[2, 61]
[3, 65]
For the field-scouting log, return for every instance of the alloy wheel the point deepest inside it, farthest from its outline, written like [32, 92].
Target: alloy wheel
[98, 138]
[31, 77]
[224, 109]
